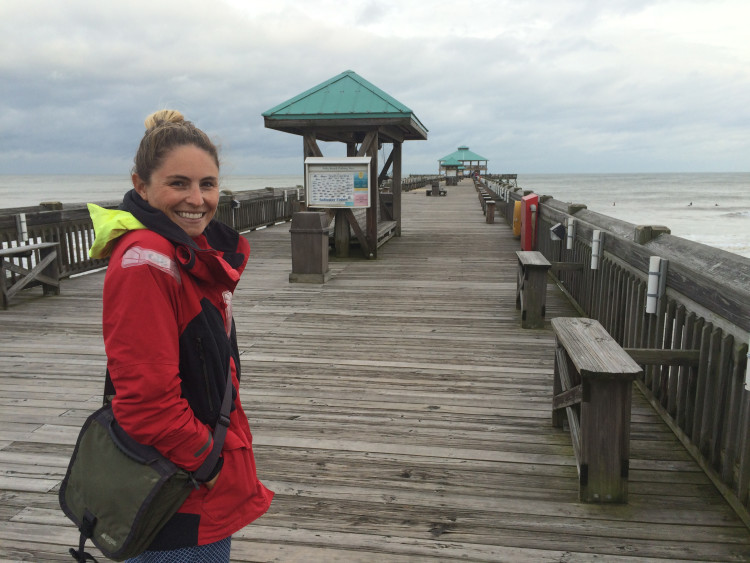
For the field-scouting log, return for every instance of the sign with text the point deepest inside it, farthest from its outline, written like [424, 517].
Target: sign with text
[337, 182]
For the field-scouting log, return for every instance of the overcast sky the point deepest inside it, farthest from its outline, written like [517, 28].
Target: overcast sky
[538, 86]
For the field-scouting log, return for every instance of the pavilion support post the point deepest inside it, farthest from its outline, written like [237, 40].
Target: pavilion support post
[341, 234]
[386, 166]
[365, 147]
[396, 186]
[369, 148]
[372, 211]
[311, 147]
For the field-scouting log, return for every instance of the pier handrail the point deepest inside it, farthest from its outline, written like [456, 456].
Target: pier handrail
[694, 345]
[71, 226]
[416, 181]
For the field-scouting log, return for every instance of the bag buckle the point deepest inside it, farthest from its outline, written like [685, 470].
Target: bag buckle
[223, 420]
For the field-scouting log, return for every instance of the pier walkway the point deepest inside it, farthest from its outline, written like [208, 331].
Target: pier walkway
[399, 412]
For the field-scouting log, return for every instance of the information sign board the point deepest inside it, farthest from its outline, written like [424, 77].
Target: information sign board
[337, 182]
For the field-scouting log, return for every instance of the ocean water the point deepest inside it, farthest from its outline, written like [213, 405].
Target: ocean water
[19, 191]
[713, 209]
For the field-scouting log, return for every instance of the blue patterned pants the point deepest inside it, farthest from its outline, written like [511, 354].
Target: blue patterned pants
[217, 552]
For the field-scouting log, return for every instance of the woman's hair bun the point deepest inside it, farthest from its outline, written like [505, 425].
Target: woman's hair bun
[163, 116]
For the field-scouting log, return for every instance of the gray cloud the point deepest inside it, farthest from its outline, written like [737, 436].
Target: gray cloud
[538, 87]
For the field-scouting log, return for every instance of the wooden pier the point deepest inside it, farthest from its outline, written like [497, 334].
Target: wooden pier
[399, 411]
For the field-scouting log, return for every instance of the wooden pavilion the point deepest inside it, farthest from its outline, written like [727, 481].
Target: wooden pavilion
[349, 109]
[451, 169]
[466, 159]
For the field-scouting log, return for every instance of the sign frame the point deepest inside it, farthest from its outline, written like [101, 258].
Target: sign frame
[338, 182]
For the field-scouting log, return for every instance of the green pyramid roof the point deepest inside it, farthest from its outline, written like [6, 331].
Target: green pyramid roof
[339, 102]
[450, 161]
[463, 154]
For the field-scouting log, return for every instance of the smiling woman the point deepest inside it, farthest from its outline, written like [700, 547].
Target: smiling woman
[170, 336]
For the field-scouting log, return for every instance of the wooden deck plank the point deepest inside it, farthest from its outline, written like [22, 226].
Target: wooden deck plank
[399, 412]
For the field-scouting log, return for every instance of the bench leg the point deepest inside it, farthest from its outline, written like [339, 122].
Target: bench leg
[3, 285]
[519, 286]
[605, 440]
[50, 273]
[558, 415]
[534, 298]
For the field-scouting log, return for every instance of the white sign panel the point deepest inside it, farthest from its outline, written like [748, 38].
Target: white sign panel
[337, 182]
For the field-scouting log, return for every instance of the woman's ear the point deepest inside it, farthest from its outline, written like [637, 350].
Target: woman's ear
[140, 186]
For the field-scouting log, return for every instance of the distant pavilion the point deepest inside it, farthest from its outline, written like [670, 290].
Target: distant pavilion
[461, 161]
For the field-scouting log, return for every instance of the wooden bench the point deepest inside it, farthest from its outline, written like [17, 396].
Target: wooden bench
[44, 272]
[593, 386]
[531, 287]
[349, 220]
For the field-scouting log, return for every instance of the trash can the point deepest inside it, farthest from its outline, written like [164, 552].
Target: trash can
[309, 232]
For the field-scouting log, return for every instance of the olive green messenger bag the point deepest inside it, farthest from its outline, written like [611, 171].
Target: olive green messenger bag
[120, 493]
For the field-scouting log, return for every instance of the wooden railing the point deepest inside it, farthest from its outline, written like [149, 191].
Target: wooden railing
[71, 226]
[692, 342]
[416, 181]
[500, 181]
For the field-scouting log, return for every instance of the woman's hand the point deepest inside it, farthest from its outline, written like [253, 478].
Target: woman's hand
[210, 484]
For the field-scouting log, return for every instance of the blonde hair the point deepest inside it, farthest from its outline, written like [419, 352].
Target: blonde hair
[163, 116]
[166, 130]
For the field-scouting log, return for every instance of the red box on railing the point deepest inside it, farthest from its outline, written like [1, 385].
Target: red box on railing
[529, 219]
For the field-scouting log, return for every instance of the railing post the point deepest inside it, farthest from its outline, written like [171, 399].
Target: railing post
[341, 234]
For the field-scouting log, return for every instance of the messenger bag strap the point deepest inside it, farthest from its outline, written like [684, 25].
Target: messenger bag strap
[87, 530]
[220, 432]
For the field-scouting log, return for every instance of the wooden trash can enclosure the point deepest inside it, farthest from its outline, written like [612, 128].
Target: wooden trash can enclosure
[531, 287]
[593, 385]
[309, 232]
[436, 190]
[490, 213]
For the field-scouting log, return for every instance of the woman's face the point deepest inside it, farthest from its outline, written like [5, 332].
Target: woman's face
[185, 187]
